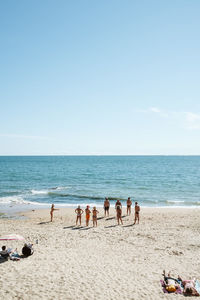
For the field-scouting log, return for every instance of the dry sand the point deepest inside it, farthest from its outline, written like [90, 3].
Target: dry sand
[107, 262]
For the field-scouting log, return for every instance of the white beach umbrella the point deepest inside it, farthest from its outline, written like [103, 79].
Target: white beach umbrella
[12, 237]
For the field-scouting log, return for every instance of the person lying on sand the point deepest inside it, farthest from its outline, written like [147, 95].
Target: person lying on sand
[119, 214]
[189, 287]
[79, 212]
[94, 216]
[87, 214]
[128, 203]
[106, 206]
[137, 211]
[51, 211]
[171, 284]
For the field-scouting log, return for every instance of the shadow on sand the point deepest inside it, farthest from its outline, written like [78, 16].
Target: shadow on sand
[69, 227]
[130, 225]
[111, 218]
[77, 228]
[111, 226]
[3, 260]
[86, 228]
[42, 223]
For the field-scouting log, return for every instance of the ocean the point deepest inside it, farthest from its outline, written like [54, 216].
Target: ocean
[153, 181]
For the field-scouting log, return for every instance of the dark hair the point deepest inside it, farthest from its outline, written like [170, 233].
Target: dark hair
[188, 291]
[3, 248]
[136, 203]
[26, 251]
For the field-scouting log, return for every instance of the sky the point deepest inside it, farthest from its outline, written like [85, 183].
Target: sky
[102, 77]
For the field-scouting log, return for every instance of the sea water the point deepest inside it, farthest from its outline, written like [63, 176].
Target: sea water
[152, 181]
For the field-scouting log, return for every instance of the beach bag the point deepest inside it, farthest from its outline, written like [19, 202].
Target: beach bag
[171, 288]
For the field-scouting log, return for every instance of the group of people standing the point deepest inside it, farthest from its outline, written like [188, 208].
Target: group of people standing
[118, 207]
[79, 213]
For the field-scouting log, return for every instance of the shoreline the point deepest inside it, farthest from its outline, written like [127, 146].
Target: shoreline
[64, 212]
[18, 211]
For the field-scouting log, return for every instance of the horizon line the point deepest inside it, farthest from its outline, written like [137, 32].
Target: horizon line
[43, 155]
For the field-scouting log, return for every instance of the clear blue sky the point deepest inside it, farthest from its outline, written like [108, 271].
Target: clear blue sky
[99, 77]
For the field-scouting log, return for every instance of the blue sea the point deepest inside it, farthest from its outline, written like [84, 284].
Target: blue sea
[153, 181]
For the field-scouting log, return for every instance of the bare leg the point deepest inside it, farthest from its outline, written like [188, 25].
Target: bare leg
[79, 218]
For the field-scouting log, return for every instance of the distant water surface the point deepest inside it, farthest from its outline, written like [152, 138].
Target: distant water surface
[71, 180]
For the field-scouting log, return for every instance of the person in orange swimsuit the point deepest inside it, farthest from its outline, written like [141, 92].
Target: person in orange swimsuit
[87, 215]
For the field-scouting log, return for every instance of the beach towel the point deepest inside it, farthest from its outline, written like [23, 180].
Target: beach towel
[197, 286]
[14, 258]
[178, 290]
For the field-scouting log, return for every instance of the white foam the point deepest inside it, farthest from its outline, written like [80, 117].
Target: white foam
[40, 192]
[83, 205]
[14, 200]
[11, 199]
[45, 192]
[175, 201]
[61, 188]
[173, 206]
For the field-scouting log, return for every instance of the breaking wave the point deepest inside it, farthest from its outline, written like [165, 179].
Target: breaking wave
[14, 200]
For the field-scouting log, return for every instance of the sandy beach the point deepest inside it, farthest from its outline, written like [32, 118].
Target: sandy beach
[107, 262]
